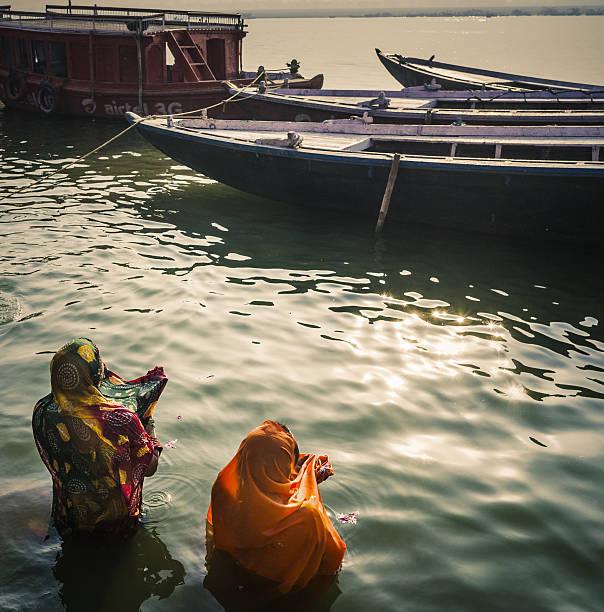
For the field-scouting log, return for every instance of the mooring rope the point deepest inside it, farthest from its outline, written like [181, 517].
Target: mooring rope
[81, 158]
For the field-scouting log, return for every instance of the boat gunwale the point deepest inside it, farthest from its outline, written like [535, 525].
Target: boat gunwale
[453, 95]
[347, 126]
[466, 164]
[421, 111]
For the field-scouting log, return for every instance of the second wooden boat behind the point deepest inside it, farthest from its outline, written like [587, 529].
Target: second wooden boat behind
[396, 107]
[413, 71]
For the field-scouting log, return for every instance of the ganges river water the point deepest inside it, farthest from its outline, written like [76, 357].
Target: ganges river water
[456, 381]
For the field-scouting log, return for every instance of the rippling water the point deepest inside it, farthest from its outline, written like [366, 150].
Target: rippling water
[455, 381]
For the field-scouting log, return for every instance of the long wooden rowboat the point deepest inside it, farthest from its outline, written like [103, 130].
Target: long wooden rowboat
[396, 107]
[413, 71]
[543, 182]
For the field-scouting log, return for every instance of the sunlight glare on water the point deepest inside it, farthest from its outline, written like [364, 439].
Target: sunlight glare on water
[456, 381]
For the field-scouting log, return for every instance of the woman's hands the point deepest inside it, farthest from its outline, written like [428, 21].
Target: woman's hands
[323, 468]
[301, 461]
[150, 429]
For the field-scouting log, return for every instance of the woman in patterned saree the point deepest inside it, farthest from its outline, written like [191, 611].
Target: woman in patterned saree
[96, 450]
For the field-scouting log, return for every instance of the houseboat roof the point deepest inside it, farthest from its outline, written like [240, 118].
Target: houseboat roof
[86, 18]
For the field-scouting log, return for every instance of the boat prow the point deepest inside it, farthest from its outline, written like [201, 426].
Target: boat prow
[132, 118]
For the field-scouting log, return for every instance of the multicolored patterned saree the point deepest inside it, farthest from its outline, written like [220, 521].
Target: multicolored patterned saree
[89, 434]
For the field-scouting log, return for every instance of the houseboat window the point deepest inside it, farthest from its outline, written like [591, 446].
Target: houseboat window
[80, 60]
[128, 64]
[22, 59]
[38, 56]
[4, 51]
[104, 60]
[58, 59]
[216, 57]
[170, 61]
[155, 63]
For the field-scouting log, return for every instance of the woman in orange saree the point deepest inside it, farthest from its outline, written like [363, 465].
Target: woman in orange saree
[266, 511]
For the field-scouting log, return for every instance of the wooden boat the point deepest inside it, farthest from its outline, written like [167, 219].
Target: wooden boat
[538, 182]
[413, 71]
[401, 107]
[104, 61]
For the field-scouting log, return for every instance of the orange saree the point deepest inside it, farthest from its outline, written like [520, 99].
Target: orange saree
[267, 513]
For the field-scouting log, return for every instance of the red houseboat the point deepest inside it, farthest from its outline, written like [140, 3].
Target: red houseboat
[105, 61]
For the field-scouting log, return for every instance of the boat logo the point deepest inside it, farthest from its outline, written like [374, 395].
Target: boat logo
[159, 108]
[89, 105]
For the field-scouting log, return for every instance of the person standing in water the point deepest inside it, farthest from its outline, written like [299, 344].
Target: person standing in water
[266, 511]
[96, 450]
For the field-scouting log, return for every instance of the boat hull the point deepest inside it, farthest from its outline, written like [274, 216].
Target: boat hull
[309, 108]
[113, 102]
[467, 196]
[414, 72]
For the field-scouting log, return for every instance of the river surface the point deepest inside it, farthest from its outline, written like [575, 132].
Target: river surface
[456, 381]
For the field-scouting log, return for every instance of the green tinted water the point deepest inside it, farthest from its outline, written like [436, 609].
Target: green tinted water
[456, 383]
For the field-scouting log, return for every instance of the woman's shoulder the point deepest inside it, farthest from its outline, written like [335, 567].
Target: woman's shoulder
[45, 403]
[44, 408]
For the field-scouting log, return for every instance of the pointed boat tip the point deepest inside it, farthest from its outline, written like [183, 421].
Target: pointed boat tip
[378, 51]
[132, 117]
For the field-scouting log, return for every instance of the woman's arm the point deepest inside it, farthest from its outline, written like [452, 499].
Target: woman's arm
[152, 467]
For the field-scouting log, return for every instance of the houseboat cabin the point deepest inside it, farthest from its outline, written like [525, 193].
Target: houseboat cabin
[106, 61]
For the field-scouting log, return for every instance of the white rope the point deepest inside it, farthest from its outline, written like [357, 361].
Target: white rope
[122, 132]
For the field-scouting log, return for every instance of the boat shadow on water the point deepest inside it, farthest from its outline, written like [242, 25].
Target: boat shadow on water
[325, 234]
[267, 234]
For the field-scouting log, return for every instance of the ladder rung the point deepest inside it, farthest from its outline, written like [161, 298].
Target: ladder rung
[197, 63]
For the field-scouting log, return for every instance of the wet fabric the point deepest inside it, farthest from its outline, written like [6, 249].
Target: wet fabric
[139, 395]
[267, 513]
[96, 450]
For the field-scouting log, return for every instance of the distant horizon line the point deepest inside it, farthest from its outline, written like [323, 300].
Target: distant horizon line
[517, 11]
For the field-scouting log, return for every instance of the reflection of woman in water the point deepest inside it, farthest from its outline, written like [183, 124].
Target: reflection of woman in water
[266, 511]
[115, 574]
[97, 451]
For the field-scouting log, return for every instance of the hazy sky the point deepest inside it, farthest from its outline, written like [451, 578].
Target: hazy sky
[250, 5]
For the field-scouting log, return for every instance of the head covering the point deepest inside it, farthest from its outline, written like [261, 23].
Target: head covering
[269, 516]
[76, 371]
[79, 377]
[95, 449]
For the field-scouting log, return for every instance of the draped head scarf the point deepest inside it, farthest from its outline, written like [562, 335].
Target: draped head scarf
[267, 513]
[96, 450]
[76, 372]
